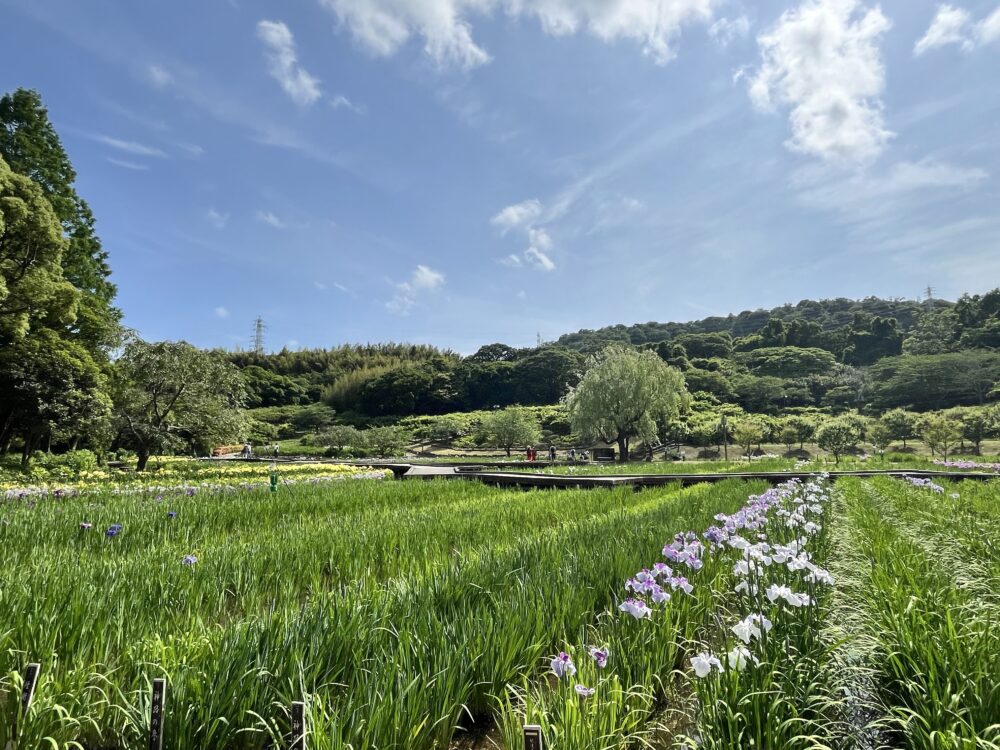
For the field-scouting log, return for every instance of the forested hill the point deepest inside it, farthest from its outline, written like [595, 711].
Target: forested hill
[828, 315]
[869, 354]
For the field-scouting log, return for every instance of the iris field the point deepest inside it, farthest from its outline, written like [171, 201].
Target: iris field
[418, 615]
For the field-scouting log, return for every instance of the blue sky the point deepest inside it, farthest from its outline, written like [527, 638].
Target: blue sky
[465, 171]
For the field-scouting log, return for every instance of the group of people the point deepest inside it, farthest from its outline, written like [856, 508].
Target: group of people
[267, 450]
[572, 454]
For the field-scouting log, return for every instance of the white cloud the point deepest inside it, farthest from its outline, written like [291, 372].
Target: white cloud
[127, 164]
[269, 218]
[866, 196]
[948, 27]
[445, 26]
[422, 280]
[342, 102]
[283, 63]
[728, 30]
[988, 30]
[192, 148]
[539, 259]
[952, 25]
[159, 76]
[218, 220]
[221, 312]
[822, 61]
[320, 285]
[517, 215]
[130, 147]
[524, 216]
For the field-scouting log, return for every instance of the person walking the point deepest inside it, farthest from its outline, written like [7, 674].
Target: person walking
[552, 453]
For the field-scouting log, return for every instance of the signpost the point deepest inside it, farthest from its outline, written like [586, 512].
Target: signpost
[298, 725]
[156, 714]
[27, 695]
[533, 737]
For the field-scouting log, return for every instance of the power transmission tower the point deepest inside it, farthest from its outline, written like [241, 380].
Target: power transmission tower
[258, 335]
[929, 293]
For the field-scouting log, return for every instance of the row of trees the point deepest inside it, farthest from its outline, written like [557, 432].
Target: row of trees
[70, 375]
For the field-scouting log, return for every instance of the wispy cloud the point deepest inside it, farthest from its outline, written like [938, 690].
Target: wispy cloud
[217, 219]
[270, 219]
[130, 147]
[283, 63]
[125, 164]
[342, 102]
[423, 280]
[725, 31]
[524, 216]
[159, 76]
[953, 25]
[517, 215]
[221, 312]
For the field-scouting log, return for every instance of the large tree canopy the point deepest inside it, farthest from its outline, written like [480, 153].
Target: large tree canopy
[169, 395]
[32, 288]
[32, 147]
[625, 394]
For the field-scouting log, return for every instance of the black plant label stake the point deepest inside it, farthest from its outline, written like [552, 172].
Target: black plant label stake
[298, 725]
[156, 706]
[533, 737]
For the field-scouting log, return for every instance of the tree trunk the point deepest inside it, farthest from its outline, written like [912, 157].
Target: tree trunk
[140, 464]
[29, 439]
[623, 450]
[508, 451]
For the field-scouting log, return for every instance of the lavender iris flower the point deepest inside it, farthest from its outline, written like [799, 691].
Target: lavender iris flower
[600, 656]
[583, 691]
[563, 666]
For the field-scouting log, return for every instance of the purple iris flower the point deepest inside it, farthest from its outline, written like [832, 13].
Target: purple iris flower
[171, 514]
[563, 666]
[583, 691]
[600, 656]
[113, 530]
[189, 560]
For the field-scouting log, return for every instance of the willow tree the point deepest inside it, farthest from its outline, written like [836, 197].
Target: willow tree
[625, 394]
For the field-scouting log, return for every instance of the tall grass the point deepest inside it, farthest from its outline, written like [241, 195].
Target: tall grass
[936, 647]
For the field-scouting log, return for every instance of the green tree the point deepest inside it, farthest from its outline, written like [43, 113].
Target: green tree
[790, 362]
[879, 436]
[339, 436]
[941, 434]
[33, 291]
[386, 441]
[837, 436]
[748, 433]
[788, 437]
[902, 424]
[803, 428]
[506, 428]
[545, 375]
[170, 395]
[31, 147]
[978, 424]
[623, 394]
[53, 389]
[936, 332]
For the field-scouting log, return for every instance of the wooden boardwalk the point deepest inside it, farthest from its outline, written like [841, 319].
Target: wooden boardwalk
[528, 480]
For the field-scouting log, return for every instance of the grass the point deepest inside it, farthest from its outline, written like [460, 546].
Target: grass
[411, 615]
